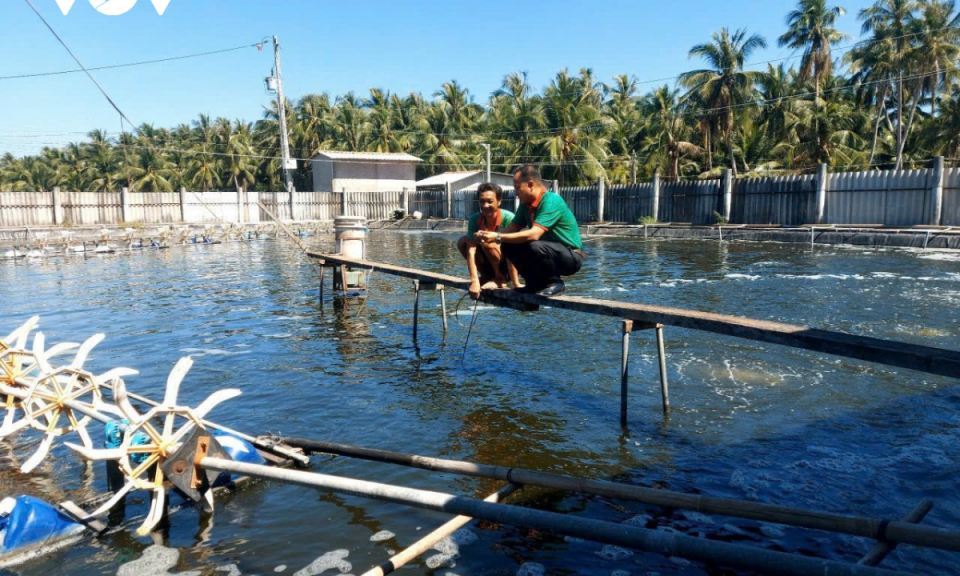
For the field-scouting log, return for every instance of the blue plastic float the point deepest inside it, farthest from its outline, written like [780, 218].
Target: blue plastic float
[26, 521]
[239, 450]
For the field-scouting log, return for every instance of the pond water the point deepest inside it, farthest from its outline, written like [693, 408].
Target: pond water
[533, 390]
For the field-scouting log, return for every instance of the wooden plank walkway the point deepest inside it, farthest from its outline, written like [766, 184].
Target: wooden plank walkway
[887, 352]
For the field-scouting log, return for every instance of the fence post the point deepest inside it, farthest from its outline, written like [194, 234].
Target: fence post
[821, 193]
[124, 204]
[727, 183]
[656, 196]
[183, 204]
[449, 191]
[406, 202]
[343, 202]
[601, 192]
[57, 206]
[937, 191]
[293, 202]
[239, 207]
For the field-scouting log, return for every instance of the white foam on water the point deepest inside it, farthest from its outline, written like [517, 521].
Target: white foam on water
[772, 531]
[611, 552]
[640, 520]
[884, 275]
[621, 289]
[280, 568]
[447, 546]
[382, 535]
[329, 561]
[230, 569]
[201, 352]
[602, 289]
[442, 561]
[801, 276]
[944, 256]
[531, 569]
[743, 276]
[468, 310]
[155, 561]
[464, 537]
[667, 284]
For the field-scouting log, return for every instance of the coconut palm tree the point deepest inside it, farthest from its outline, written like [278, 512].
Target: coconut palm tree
[666, 141]
[725, 87]
[811, 29]
[575, 147]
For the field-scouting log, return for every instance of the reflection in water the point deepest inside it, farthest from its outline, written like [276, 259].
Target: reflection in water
[749, 420]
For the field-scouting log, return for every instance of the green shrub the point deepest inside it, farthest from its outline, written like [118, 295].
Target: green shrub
[719, 217]
[647, 220]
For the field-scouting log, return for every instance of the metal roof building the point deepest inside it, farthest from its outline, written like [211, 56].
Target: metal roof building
[336, 171]
[466, 180]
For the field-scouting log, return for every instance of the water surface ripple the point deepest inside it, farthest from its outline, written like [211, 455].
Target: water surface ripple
[535, 390]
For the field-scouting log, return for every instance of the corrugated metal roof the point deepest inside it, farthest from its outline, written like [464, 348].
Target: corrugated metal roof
[442, 179]
[456, 176]
[367, 156]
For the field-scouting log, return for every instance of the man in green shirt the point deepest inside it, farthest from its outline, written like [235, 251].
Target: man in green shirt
[488, 268]
[543, 241]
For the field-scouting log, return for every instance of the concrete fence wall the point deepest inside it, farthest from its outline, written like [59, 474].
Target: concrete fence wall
[890, 198]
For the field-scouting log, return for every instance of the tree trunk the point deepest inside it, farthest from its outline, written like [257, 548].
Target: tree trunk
[709, 148]
[900, 136]
[913, 111]
[876, 126]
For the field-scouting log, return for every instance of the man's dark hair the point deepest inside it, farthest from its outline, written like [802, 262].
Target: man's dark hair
[528, 172]
[487, 187]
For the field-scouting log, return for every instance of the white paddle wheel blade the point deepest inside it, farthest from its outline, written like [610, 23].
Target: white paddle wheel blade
[113, 501]
[14, 427]
[84, 436]
[214, 400]
[158, 505]
[85, 350]
[173, 390]
[207, 500]
[123, 403]
[39, 455]
[40, 354]
[115, 374]
[61, 348]
[96, 454]
[18, 338]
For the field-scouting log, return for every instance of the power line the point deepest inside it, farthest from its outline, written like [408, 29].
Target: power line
[77, 60]
[130, 64]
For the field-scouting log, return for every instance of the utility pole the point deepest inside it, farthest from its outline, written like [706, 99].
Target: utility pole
[282, 111]
[633, 165]
[487, 146]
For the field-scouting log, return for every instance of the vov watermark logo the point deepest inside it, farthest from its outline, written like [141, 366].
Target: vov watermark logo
[112, 7]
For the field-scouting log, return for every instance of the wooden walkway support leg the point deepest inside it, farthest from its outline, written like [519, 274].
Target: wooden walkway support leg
[663, 370]
[343, 282]
[443, 307]
[416, 306]
[624, 370]
[321, 287]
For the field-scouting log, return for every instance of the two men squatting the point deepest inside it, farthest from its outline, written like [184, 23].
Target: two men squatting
[541, 242]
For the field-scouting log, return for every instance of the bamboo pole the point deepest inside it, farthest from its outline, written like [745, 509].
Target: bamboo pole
[653, 541]
[893, 531]
[427, 542]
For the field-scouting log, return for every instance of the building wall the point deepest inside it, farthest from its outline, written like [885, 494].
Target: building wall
[365, 176]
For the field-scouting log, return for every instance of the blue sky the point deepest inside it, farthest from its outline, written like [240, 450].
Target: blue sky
[335, 47]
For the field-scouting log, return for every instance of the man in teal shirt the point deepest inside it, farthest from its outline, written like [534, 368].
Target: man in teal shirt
[543, 241]
[488, 268]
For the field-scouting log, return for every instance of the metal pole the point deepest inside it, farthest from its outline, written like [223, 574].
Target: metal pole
[282, 112]
[821, 193]
[654, 541]
[936, 217]
[443, 308]
[894, 531]
[487, 146]
[882, 548]
[633, 166]
[664, 391]
[624, 369]
[427, 542]
[416, 307]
